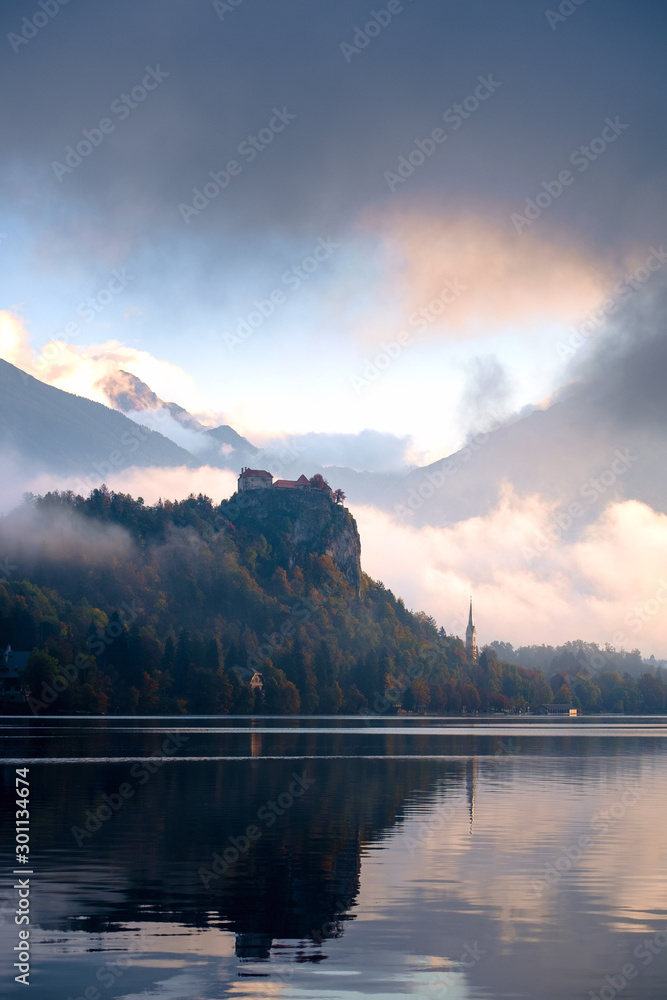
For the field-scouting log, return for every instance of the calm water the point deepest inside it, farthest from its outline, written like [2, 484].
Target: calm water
[337, 858]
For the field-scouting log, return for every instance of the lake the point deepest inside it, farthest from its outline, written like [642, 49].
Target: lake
[335, 858]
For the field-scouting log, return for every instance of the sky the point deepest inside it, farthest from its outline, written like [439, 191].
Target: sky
[342, 121]
[329, 218]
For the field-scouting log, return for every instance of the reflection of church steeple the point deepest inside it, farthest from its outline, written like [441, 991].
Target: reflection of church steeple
[471, 637]
[471, 787]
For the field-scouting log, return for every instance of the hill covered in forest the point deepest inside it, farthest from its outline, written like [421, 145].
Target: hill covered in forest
[129, 608]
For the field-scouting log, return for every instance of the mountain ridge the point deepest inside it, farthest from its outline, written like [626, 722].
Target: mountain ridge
[57, 431]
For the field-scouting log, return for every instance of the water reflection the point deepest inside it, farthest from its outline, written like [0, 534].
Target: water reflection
[278, 860]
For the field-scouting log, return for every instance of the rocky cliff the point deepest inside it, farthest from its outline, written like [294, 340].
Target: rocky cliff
[305, 521]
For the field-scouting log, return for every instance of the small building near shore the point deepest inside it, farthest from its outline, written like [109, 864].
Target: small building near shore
[557, 710]
[257, 682]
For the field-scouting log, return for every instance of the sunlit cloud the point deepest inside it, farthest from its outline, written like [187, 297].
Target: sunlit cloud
[83, 369]
[497, 281]
[605, 585]
[152, 484]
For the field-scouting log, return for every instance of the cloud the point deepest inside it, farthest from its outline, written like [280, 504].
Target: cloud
[622, 363]
[14, 341]
[92, 372]
[83, 370]
[34, 536]
[353, 121]
[150, 483]
[599, 586]
[462, 275]
[17, 478]
[369, 450]
[159, 418]
[486, 395]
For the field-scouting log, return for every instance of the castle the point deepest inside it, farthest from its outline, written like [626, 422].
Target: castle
[259, 479]
[471, 637]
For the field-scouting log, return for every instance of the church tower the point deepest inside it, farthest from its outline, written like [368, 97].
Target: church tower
[471, 637]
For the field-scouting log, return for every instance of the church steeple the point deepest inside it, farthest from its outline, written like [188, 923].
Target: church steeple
[471, 637]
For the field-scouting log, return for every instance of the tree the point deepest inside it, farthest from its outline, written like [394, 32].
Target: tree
[563, 696]
[589, 694]
[470, 699]
[355, 703]
[212, 661]
[39, 674]
[281, 696]
[331, 698]
[557, 681]
[182, 659]
[243, 698]
[499, 702]
[421, 696]
[319, 483]
[652, 693]
[244, 587]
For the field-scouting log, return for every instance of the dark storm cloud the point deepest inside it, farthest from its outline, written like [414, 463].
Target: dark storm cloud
[357, 109]
[622, 371]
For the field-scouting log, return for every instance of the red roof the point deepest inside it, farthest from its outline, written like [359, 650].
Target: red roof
[256, 472]
[285, 484]
[302, 481]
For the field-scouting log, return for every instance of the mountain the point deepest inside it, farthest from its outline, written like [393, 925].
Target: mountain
[128, 393]
[604, 437]
[55, 431]
[576, 451]
[225, 448]
[46, 429]
[219, 446]
[226, 435]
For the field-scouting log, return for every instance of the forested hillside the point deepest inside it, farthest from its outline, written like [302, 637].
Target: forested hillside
[172, 608]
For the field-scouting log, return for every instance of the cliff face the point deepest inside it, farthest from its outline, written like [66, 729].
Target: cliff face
[308, 523]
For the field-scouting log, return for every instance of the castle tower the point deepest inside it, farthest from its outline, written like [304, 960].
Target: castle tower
[471, 637]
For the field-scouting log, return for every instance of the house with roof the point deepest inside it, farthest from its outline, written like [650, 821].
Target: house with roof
[12, 665]
[292, 484]
[257, 682]
[260, 479]
[255, 479]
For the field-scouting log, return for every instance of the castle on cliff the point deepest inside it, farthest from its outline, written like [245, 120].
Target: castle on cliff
[259, 479]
